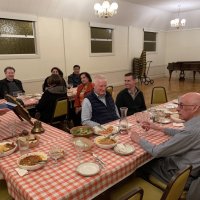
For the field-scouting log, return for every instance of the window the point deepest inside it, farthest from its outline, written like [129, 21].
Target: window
[101, 40]
[150, 41]
[17, 37]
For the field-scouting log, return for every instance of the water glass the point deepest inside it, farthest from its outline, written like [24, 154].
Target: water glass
[23, 144]
[55, 153]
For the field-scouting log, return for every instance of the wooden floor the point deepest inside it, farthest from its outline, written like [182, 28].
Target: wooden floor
[174, 88]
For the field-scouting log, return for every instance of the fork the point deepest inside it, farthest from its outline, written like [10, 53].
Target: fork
[98, 159]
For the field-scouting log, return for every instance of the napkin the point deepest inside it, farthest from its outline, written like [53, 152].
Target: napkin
[178, 124]
[21, 172]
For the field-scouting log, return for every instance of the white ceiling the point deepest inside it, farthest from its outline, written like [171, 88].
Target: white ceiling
[169, 5]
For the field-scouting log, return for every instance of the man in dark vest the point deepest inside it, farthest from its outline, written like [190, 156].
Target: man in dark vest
[10, 85]
[98, 107]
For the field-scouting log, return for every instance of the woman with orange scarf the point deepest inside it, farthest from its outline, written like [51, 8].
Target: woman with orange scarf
[83, 89]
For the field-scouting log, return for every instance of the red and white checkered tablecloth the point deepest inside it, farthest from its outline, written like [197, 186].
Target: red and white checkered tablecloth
[62, 181]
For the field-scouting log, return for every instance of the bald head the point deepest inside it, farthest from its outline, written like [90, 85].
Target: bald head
[191, 98]
[189, 105]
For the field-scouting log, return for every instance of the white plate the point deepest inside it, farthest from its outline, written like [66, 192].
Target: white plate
[124, 149]
[6, 153]
[164, 121]
[88, 169]
[101, 131]
[175, 118]
[36, 166]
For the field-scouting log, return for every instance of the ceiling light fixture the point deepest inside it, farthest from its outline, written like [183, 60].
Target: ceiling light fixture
[177, 22]
[106, 9]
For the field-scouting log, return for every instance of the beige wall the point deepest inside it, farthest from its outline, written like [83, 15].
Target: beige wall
[183, 45]
[66, 42]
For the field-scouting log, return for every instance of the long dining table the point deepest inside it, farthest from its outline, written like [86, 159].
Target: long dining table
[62, 181]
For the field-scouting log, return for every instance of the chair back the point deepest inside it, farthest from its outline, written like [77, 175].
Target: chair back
[176, 185]
[61, 108]
[158, 95]
[135, 194]
[110, 89]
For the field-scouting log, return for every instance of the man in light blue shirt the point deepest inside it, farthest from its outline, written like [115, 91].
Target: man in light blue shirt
[182, 149]
[98, 107]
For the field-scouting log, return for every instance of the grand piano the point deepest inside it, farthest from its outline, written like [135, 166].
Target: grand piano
[184, 66]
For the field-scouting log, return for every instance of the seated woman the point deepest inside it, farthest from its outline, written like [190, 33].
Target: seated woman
[56, 89]
[83, 89]
[54, 70]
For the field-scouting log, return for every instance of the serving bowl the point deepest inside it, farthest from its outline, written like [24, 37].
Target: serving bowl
[105, 130]
[32, 161]
[82, 131]
[105, 142]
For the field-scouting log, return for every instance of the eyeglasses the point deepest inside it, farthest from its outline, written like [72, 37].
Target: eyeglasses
[181, 105]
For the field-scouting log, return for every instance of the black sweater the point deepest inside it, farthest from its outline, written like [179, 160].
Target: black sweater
[124, 99]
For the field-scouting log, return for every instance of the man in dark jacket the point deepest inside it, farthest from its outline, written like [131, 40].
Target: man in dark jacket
[9, 85]
[74, 78]
[130, 97]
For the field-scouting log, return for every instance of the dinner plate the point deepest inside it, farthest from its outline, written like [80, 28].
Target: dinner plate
[4, 151]
[175, 118]
[34, 166]
[88, 169]
[124, 149]
[164, 120]
[105, 129]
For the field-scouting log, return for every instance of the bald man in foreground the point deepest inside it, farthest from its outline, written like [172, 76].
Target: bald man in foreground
[182, 149]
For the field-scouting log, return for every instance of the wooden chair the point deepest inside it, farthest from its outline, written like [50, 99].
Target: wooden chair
[110, 89]
[60, 111]
[173, 190]
[4, 191]
[158, 95]
[135, 194]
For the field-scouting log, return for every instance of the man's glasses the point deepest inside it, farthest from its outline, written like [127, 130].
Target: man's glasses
[181, 105]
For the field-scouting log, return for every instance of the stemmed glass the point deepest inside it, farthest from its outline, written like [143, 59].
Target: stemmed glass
[55, 153]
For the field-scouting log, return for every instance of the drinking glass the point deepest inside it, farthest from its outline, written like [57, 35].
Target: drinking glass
[23, 144]
[79, 146]
[55, 153]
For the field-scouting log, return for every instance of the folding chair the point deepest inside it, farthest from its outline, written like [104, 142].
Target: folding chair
[173, 190]
[158, 95]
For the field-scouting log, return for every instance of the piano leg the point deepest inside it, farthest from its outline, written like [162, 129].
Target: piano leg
[182, 76]
[170, 74]
[194, 73]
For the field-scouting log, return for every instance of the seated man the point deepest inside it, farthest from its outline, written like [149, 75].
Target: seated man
[130, 97]
[74, 78]
[98, 107]
[182, 149]
[9, 85]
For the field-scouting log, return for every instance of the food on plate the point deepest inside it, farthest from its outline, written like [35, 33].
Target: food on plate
[106, 141]
[6, 147]
[108, 130]
[82, 131]
[31, 160]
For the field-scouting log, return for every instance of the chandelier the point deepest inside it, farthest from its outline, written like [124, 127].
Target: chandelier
[177, 22]
[106, 9]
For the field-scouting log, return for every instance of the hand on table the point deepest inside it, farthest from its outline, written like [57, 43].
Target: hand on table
[147, 125]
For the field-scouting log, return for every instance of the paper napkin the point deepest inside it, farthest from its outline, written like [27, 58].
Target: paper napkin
[21, 172]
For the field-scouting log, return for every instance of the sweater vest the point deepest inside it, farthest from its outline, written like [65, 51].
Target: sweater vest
[102, 113]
